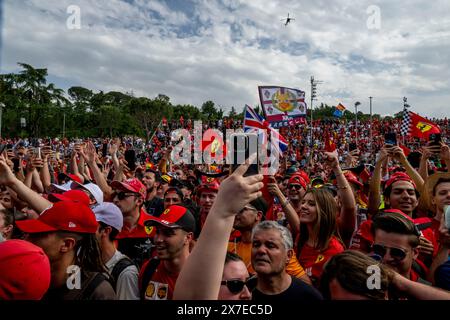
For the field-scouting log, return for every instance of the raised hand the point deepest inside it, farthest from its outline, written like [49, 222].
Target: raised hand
[236, 191]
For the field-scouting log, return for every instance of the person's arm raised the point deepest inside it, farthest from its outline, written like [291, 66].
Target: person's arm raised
[375, 183]
[398, 154]
[347, 215]
[201, 275]
[34, 200]
[445, 155]
[89, 156]
[291, 214]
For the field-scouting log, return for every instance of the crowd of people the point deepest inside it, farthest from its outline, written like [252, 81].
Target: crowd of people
[105, 219]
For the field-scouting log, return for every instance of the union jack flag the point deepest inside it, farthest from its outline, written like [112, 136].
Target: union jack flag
[254, 123]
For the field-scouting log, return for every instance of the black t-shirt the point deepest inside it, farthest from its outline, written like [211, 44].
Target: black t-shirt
[298, 290]
[154, 207]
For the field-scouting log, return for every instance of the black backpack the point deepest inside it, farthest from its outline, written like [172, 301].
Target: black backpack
[147, 274]
[121, 265]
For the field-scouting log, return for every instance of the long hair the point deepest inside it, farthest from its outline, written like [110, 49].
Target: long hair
[325, 226]
[88, 255]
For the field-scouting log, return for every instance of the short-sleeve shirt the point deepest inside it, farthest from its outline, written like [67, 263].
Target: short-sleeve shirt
[313, 260]
[298, 291]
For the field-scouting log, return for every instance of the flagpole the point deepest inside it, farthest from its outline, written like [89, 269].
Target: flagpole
[371, 124]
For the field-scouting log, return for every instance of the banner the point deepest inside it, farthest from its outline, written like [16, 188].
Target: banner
[282, 106]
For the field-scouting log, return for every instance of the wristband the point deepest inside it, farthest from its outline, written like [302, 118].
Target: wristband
[284, 204]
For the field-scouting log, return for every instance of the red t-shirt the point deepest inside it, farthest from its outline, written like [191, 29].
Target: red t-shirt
[161, 285]
[313, 261]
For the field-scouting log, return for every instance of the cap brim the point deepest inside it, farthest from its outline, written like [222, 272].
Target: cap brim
[55, 197]
[57, 187]
[154, 221]
[122, 186]
[34, 226]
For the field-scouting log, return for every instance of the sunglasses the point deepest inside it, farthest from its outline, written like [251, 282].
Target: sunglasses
[236, 285]
[396, 253]
[247, 208]
[122, 195]
[295, 186]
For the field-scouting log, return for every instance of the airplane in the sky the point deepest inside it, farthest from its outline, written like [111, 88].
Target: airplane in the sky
[287, 20]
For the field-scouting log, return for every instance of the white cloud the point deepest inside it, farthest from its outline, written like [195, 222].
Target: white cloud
[222, 50]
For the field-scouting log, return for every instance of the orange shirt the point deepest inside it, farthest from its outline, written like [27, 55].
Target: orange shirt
[313, 260]
[243, 250]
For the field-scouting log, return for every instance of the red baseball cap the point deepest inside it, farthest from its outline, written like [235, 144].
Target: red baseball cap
[73, 177]
[351, 177]
[132, 185]
[399, 176]
[211, 186]
[62, 216]
[24, 269]
[71, 195]
[174, 217]
[296, 179]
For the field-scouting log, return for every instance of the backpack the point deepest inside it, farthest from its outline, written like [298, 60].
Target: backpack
[147, 274]
[121, 265]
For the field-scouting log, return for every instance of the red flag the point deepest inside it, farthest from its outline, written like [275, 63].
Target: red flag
[416, 126]
[164, 122]
[182, 120]
[405, 149]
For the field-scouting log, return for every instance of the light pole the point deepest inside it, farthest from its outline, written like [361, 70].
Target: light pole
[2, 105]
[313, 97]
[371, 124]
[357, 103]
[64, 125]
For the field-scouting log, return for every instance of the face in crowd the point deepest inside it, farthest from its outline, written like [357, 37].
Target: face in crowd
[171, 242]
[247, 218]
[402, 197]
[207, 198]
[235, 284]
[128, 202]
[149, 181]
[171, 198]
[296, 191]
[441, 195]
[271, 249]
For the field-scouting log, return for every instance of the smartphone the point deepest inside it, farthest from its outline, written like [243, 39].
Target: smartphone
[2, 148]
[244, 145]
[435, 140]
[130, 157]
[16, 164]
[447, 216]
[37, 152]
[390, 139]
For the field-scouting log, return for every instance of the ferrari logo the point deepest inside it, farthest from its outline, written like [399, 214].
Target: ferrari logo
[423, 127]
[148, 230]
[319, 258]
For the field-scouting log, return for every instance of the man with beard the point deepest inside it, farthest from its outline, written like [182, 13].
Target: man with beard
[153, 204]
[174, 232]
[272, 248]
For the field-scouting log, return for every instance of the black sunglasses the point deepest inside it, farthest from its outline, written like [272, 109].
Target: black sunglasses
[396, 253]
[295, 186]
[122, 195]
[236, 285]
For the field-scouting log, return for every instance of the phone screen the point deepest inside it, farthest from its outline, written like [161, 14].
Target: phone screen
[390, 139]
[244, 146]
[130, 157]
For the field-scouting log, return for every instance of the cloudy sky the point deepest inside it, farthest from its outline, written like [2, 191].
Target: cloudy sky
[221, 50]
